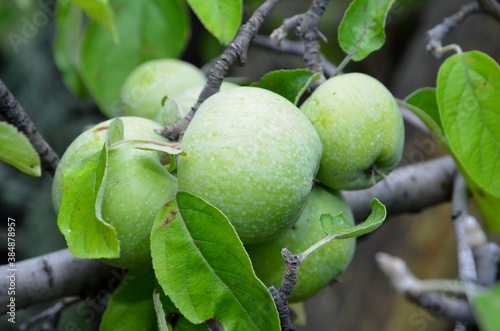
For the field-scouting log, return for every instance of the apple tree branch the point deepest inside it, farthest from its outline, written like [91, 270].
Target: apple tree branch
[478, 264]
[60, 274]
[234, 53]
[291, 47]
[12, 112]
[432, 295]
[281, 295]
[435, 35]
[306, 25]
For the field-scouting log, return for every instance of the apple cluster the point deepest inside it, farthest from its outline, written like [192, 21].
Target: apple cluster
[254, 155]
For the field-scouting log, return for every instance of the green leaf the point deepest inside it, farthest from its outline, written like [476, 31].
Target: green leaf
[101, 11]
[67, 41]
[373, 222]
[423, 103]
[147, 29]
[86, 235]
[131, 307]
[362, 28]
[486, 306]
[468, 94]
[202, 266]
[290, 84]
[169, 112]
[16, 150]
[333, 224]
[114, 133]
[222, 18]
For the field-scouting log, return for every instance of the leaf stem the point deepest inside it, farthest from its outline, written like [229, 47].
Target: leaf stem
[157, 142]
[349, 56]
[317, 245]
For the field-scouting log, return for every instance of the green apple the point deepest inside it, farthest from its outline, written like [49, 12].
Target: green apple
[361, 129]
[254, 155]
[324, 264]
[146, 86]
[137, 186]
[176, 107]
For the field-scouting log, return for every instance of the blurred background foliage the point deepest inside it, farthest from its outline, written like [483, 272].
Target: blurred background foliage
[362, 299]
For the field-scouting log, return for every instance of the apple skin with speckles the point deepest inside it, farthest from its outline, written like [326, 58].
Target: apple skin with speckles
[252, 154]
[138, 185]
[183, 101]
[324, 264]
[361, 129]
[146, 86]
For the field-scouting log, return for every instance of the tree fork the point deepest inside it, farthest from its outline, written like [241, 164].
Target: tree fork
[235, 52]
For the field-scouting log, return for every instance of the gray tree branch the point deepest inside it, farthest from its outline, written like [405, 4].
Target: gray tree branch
[291, 47]
[407, 189]
[53, 276]
[235, 52]
[308, 32]
[59, 274]
[431, 295]
[435, 35]
[281, 295]
[460, 213]
[306, 25]
[491, 7]
[14, 113]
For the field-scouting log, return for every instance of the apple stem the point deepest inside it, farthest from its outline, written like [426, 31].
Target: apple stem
[157, 142]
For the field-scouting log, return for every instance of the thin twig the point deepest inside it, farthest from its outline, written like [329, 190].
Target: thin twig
[455, 309]
[417, 291]
[50, 317]
[14, 113]
[491, 7]
[486, 254]
[235, 52]
[487, 259]
[460, 211]
[289, 24]
[460, 327]
[435, 35]
[308, 32]
[291, 47]
[280, 296]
